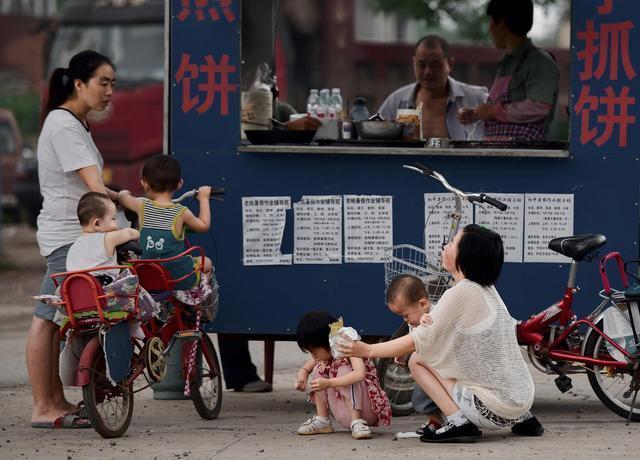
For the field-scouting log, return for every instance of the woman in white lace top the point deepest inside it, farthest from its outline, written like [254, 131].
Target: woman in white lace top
[468, 362]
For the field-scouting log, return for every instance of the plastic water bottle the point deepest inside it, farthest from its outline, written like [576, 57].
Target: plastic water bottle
[313, 101]
[359, 111]
[336, 103]
[324, 108]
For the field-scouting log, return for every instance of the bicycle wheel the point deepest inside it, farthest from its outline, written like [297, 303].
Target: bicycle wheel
[109, 407]
[206, 385]
[396, 380]
[609, 385]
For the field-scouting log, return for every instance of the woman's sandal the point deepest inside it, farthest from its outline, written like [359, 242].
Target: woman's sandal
[66, 420]
[81, 410]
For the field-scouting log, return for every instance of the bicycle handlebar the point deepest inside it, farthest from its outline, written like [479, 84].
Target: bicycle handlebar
[472, 197]
[484, 198]
[215, 194]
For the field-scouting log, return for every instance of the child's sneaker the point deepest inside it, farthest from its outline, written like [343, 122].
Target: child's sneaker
[316, 425]
[360, 429]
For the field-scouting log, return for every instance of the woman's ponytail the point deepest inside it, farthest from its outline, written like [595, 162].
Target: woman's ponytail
[60, 88]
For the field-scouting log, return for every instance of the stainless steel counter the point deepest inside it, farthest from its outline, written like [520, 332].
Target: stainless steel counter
[451, 152]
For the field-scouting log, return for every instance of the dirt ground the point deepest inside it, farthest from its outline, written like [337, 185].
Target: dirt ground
[577, 425]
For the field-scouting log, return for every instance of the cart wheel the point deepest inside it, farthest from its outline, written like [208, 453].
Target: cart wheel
[396, 380]
[611, 387]
[109, 407]
[206, 385]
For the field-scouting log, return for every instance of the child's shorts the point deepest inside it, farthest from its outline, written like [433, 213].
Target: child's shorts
[479, 414]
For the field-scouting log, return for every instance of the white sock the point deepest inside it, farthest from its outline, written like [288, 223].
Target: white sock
[323, 419]
[457, 418]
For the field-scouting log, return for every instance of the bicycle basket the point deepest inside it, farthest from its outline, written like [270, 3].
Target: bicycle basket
[408, 259]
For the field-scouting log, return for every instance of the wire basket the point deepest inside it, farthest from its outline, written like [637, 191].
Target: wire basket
[408, 259]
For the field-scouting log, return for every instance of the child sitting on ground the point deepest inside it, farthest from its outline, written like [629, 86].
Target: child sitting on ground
[163, 223]
[346, 388]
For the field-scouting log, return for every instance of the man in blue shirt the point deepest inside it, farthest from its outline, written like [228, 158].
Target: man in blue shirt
[441, 96]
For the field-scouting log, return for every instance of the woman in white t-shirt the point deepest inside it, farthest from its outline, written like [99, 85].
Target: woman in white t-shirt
[468, 360]
[69, 165]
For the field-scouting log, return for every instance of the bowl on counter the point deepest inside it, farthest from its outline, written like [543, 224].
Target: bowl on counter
[279, 136]
[438, 142]
[374, 129]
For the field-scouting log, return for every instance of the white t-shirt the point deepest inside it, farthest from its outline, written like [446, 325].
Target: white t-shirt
[472, 339]
[64, 147]
[89, 251]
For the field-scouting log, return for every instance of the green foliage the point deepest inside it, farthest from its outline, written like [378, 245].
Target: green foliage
[468, 16]
[25, 107]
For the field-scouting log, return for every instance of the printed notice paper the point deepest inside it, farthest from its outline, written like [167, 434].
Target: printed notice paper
[437, 208]
[318, 230]
[547, 216]
[263, 221]
[508, 224]
[368, 227]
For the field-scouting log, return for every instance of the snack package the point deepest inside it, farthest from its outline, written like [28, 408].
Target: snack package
[335, 338]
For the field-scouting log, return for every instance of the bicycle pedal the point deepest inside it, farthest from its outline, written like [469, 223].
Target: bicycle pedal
[188, 335]
[563, 383]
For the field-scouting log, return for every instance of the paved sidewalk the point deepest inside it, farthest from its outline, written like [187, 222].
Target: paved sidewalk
[263, 425]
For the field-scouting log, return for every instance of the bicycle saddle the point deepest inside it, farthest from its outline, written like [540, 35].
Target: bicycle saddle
[577, 246]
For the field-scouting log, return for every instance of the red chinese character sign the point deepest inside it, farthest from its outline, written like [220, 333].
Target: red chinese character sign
[605, 87]
[202, 83]
[203, 9]
[205, 73]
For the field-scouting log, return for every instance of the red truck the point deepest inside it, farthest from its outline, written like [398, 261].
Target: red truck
[131, 33]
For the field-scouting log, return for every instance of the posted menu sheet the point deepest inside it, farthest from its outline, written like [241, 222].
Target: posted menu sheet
[318, 230]
[437, 208]
[547, 216]
[368, 227]
[263, 221]
[508, 224]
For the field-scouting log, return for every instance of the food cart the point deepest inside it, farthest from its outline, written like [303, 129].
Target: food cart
[302, 226]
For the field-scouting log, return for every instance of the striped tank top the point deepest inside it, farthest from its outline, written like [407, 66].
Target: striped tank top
[160, 239]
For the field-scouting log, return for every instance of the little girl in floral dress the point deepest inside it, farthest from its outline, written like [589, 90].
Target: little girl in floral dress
[346, 388]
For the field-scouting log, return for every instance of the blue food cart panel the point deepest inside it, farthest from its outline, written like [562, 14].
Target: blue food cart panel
[601, 172]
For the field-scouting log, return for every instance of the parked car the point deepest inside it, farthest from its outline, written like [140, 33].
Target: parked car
[19, 169]
[132, 34]
[10, 153]
[27, 187]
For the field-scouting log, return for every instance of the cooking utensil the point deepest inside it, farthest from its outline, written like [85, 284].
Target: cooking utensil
[279, 124]
[279, 136]
[379, 129]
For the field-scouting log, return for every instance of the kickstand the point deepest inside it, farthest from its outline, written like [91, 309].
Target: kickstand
[633, 403]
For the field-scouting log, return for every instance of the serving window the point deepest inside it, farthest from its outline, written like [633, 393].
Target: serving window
[347, 44]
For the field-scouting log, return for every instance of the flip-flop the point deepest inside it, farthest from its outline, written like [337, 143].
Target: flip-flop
[66, 420]
[81, 410]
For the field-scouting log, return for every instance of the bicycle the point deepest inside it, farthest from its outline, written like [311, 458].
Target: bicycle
[405, 258]
[110, 407]
[558, 342]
